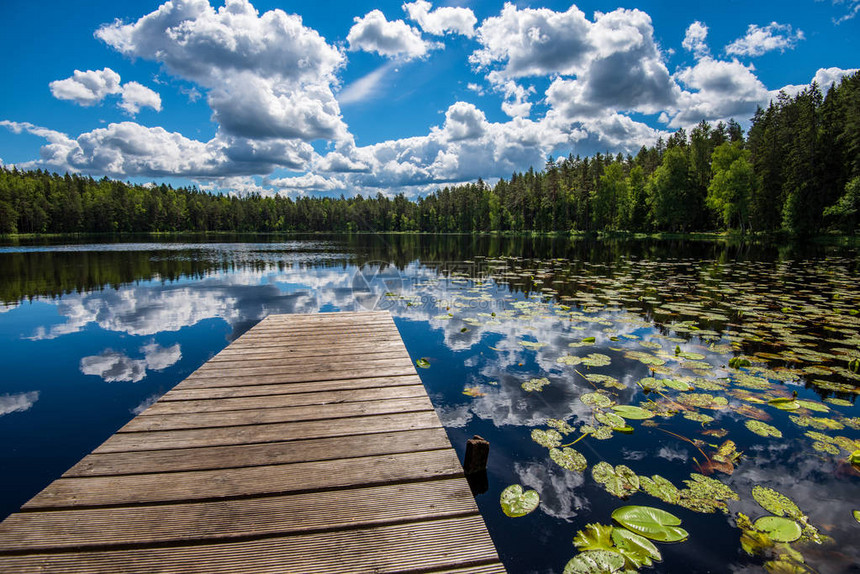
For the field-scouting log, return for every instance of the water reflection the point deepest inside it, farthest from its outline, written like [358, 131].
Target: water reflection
[489, 314]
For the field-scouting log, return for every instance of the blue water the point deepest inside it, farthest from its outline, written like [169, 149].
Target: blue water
[91, 334]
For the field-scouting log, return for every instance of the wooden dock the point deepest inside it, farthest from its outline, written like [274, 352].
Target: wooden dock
[307, 445]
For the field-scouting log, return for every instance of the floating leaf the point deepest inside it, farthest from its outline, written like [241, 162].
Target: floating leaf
[650, 522]
[596, 400]
[548, 438]
[813, 406]
[856, 514]
[698, 417]
[633, 412]
[594, 537]
[825, 447]
[854, 458]
[516, 502]
[838, 402]
[569, 360]
[779, 529]
[596, 360]
[678, 385]
[474, 392]
[610, 419]
[561, 426]
[569, 458]
[423, 363]
[763, 429]
[774, 502]
[595, 562]
[785, 403]
[637, 549]
[532, 345]
[605, 380]
[661, 488]
[703, 400]
[620, 481]
[535, 384]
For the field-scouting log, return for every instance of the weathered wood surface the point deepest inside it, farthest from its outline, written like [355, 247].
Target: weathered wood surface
[308, 445]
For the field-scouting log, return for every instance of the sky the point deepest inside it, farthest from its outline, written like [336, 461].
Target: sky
[348, 97]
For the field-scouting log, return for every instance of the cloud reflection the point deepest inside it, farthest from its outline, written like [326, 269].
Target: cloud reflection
[17, 403]
[113, 366]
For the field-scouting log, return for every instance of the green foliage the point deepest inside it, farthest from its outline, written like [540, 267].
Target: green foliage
[517, 502]
[732, 185]
[650, 522]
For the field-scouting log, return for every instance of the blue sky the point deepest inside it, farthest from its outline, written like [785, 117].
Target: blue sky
[363, 97]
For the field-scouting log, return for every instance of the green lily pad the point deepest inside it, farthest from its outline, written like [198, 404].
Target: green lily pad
[698, 417]
[516, 502]
[423, 363]
[838, 402]
[774, 502]
[536, 385]
[785, 403]
[637, 549]
[620, 481]
[569, 360]
[610, 419]
[856, 514]
[595, 562]
[532, 345]
[596, 360]
[633, 412]
[703, 400]
[661, 488]
[650, 522]
[813, 406]
[569, 459]
[594, 537]
[549, 438]
[763, 429]
[677, 385]
[596, 400]
[778, 528]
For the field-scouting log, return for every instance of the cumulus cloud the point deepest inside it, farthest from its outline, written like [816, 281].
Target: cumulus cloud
[128, 148]
[694, 39]
[463, 121]
[396, 39]
[17, 403]
[306, 182]
[113, 367]
[92, 86]
[87, 88]
[268, 75]
[441, 21]
[759, 41]
[158, 358]
[724, 90]
[136, 96]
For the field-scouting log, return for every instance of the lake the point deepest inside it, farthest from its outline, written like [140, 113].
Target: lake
[713, 381]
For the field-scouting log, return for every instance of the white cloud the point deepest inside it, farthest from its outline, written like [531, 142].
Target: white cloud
[463, 121]
[853, 7]
[87, 88]
[694, 39]
[824, 77]
[534, 42]
[442, 20]
[128, 148]
[136, 96]
[268, 75]
[759, 41]
[17, 403]
[724, 90]
[113, 367]
[307, 182]
[395, 39]
[158, 358]
[92, 86]
[365, 87]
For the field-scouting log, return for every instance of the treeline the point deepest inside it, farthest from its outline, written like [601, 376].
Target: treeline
[796, 171]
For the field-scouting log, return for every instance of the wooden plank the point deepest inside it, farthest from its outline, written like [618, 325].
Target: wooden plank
[289, 361]
[257, 352]
[158, 440]
[207, 458]
[181, 394]
[285, 400]
[182, 421]
[212, 381]
[250, 481]
[313, 366]
[307, 512]
[398, 548]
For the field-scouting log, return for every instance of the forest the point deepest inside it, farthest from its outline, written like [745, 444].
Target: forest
[796, 171]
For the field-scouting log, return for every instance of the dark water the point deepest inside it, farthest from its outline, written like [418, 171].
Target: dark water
[91, 334]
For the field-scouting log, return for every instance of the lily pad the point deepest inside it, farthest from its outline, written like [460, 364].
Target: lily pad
[569, 459]
[516, 502]
[633, 412]
[620, 481]
[423, 363]
[775, 502]
[549, 438]
[856, 514]
[785, 403]
[610, 419]
[778, 528]
[596, 400]
[535, 384]
[650, 522]
[595, 562]
[661, 488]
[763, 429]
[594, 537]
[636, 548]
[596, 360]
